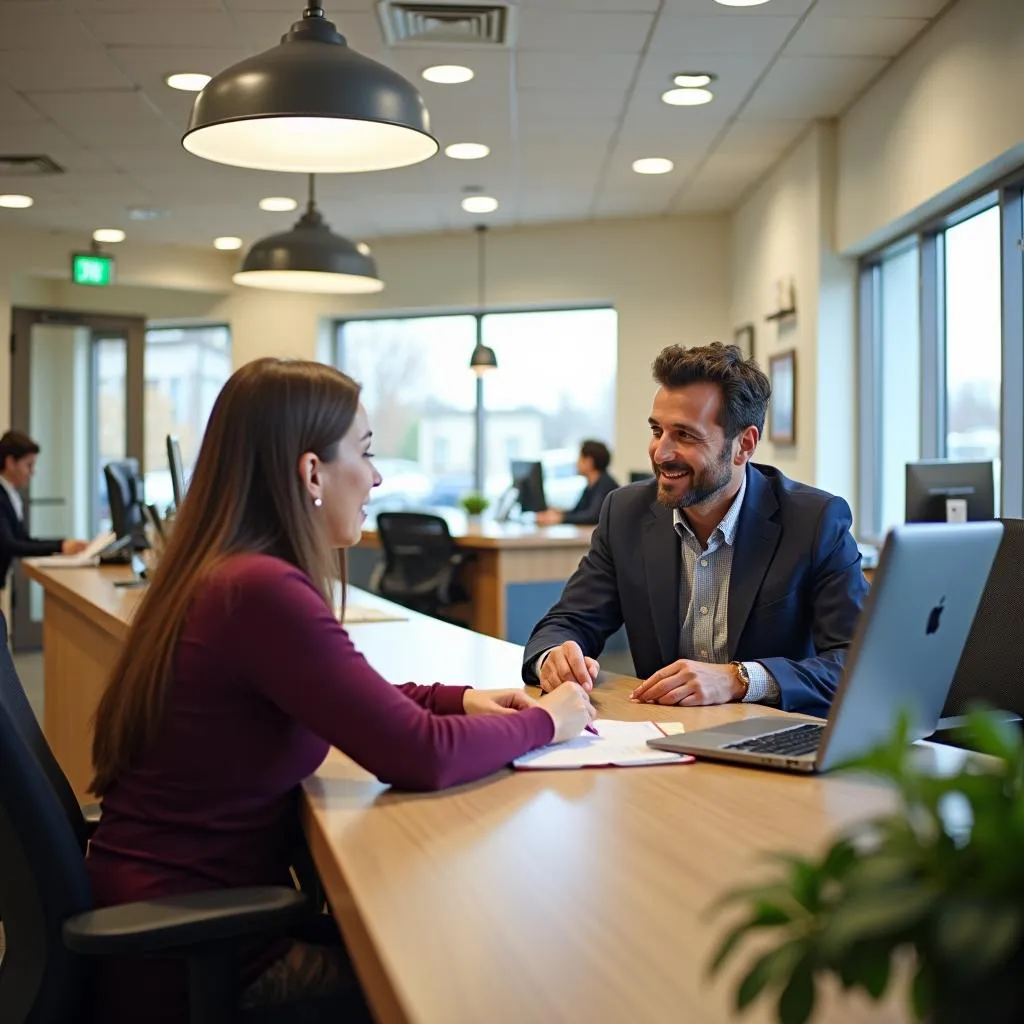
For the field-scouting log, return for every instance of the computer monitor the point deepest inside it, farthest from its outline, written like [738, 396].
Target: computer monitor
[177, 470]
[949, 492]
[124, 494]
[639, 476]
[528, 480]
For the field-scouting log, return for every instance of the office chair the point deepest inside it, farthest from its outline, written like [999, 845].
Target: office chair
[124, 494]
[989, 668]
[421, 562]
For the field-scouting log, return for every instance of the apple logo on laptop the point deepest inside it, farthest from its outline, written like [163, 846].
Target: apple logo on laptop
[933, 618]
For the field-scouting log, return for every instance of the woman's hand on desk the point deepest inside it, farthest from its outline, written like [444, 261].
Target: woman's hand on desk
[570, 709]
[497, 702]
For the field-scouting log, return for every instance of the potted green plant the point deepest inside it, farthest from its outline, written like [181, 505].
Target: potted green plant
[941, 879]
[474, 504]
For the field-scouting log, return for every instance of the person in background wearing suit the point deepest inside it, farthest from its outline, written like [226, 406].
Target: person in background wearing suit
[593, 464]
[18, 454]
[735, 583]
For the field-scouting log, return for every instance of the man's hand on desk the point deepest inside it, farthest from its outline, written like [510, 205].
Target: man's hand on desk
[567, 664]
[497, 702]
[691, 684]
[549, 517]
[73, 547]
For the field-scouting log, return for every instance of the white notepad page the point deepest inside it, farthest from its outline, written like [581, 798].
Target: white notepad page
[622, 744]
[88, 556]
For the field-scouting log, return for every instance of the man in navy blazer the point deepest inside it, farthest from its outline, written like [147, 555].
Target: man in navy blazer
[734, 582]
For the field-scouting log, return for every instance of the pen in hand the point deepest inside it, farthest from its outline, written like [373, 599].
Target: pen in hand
[591, 729]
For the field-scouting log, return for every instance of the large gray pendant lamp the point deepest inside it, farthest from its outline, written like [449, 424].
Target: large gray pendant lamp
[310, 258]
[483, 358]
[310, 105]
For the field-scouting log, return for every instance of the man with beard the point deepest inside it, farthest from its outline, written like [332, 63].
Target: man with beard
[734, 582]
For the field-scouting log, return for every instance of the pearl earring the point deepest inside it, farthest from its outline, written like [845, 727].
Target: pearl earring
[317, 502]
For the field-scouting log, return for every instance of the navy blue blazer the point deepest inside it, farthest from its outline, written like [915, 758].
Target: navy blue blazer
[15, 541]
[795, 591]
[588, 508]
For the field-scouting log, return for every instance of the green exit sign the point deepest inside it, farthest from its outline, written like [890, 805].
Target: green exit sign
[92, 269]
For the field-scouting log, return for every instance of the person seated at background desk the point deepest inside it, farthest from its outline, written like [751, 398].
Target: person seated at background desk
[734, 582]
[18, 453]
[236, 678]
[592, 464]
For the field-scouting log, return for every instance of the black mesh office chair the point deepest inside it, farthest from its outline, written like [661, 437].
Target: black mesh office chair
[124, 494]
[421, 562]
[990, 666]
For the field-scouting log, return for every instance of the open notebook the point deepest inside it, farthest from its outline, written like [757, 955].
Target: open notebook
[619, 744]
[90, 556]
[356, 613]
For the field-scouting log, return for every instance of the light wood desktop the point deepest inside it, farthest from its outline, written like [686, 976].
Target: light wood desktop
[516, 573]
[529, 896]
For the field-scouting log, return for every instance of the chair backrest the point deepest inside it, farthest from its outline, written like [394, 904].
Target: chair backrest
[123, 495]
[989, 669]
[418, 554]
[15, 702]
[43, 882]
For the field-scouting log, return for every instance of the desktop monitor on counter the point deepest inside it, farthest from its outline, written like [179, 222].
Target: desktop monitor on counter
[939, 491]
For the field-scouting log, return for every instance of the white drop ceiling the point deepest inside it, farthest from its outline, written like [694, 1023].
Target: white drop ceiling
[565, 111]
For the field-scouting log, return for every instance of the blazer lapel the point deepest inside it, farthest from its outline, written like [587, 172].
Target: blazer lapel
[757, 537]
[661, 563]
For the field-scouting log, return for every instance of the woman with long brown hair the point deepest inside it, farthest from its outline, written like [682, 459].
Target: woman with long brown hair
[236, 678]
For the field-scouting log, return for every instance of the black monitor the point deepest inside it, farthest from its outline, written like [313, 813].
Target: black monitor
[528, 480]
[177, 469]
[640, 476]
[124, 493]
[949, 492]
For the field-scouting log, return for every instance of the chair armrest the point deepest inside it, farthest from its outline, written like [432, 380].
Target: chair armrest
[91, 813]
[179, 922]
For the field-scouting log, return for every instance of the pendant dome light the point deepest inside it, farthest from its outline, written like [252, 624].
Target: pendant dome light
[483, 357]
[310, 258]
[310, 105]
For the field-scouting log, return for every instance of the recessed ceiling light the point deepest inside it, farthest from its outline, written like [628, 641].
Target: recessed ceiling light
[741, 3]
[467, 150]
[187, 81]
[693, 79]
[653, 165]
[13, 201]
[448, 74]
[227, 243]
[278, 204]
[687, 97]
[479, 204]
[108, 235]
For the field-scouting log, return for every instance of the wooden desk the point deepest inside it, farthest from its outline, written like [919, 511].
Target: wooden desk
[544, 897]
[517, 571]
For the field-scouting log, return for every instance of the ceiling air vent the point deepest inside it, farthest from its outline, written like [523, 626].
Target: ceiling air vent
[28, 166]
[440, 23]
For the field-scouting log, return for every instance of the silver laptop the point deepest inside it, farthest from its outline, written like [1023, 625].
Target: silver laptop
[904, 654]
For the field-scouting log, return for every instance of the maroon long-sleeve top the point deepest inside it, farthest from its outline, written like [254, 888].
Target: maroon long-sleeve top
[265, 680]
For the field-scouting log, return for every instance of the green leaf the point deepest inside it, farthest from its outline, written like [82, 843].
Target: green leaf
[890, 911]
[990, 733]
[728, 946]
[874, 965]
[839, 860]
[773, 968]
[922, 992]
[797, 1000]
[976, 936]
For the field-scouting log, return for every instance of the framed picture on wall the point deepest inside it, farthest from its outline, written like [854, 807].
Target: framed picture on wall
[782, 411]
[744, 338]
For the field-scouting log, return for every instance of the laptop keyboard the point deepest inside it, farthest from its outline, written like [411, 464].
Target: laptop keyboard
[801, 739]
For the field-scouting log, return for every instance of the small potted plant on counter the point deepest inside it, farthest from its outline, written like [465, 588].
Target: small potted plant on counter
[474, 504]
[938, 886]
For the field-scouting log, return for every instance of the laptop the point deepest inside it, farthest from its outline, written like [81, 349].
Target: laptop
[905, 651]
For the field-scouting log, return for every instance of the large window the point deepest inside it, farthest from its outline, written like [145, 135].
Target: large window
[185, 369]
[422, 398]
[933, 352]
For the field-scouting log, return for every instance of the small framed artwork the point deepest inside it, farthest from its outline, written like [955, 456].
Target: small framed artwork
[743, 337]
[782, 411]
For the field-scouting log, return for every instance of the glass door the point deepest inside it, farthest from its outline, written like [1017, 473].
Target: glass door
[77, 392]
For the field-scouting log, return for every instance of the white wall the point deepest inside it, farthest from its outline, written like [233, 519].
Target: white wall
[784, 229]
[943, 122]
[668, 278]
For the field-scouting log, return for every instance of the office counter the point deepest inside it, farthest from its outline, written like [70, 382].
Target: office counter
[553, 897]
[516, 572]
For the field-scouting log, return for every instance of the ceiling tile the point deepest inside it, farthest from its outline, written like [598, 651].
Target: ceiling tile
[61, 69]
[812, 87]
[595, 106]
[14, 109]
[144, 5]
[763, 137]
[886, 8]
[263, 29]
[71, 109]
[792, 8]
[162, 27]
[825, 36]
[583, 32]
[721, 34]
[605, 72]
[604, 6]
[148, 66]
[31, 25]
